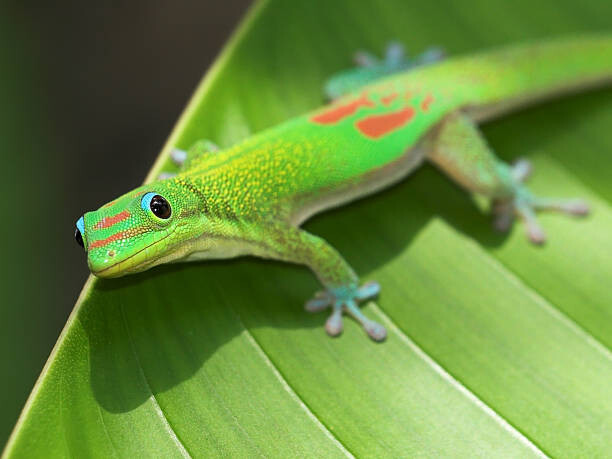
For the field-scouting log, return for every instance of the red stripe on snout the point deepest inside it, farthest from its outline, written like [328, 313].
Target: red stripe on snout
[110, 221]
[117, 236]
[108, 240]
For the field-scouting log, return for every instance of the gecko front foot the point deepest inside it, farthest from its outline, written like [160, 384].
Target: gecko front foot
[524, 205]
[345, 299]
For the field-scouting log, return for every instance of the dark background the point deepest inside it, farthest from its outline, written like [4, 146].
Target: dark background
[88, 95]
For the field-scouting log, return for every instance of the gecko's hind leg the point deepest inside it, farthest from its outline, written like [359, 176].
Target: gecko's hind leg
[370, 68]
[460, 150]
[523, 204]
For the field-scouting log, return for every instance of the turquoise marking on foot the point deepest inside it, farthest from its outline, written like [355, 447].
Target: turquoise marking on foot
[524, 204]
[370, 68]
[344, 299]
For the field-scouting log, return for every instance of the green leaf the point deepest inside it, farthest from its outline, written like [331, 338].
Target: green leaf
[496, 347]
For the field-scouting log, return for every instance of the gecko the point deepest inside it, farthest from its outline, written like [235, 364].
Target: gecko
[385, 118]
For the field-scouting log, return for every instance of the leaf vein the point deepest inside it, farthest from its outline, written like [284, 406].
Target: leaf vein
[548, 306]
[294, 396]
[108, 437]
[158, 409]
[441, 371]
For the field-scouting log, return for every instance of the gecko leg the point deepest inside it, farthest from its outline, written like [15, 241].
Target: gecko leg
[342, 291]
[178, 157]
[459, 149]
[524, 205]
[165, 175]
[187, 159]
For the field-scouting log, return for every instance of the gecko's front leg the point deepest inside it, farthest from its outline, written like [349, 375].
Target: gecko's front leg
[191, 158]
[342, 291]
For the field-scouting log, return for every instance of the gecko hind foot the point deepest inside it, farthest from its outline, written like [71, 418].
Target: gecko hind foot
[345, 300]
[524, 205]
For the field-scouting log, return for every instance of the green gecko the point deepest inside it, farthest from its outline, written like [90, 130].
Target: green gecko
[386, 118]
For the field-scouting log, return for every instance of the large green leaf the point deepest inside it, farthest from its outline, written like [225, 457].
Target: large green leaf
[496, 347]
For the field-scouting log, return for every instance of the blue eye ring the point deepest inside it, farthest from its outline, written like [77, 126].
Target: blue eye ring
[156, 205]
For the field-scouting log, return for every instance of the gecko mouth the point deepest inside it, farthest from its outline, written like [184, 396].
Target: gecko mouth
[115, 270]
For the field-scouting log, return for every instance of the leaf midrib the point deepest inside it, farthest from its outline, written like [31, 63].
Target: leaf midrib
[172, 433]
[277, 373]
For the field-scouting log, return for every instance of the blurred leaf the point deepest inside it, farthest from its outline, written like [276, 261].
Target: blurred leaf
[495, 347]
[30, 323]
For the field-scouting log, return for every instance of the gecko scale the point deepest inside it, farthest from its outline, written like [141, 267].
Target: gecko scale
[385, 119]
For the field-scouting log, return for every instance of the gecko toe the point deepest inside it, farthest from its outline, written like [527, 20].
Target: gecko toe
[521, 170]
[524, 205]
[368, 290]
[576, 207]
[321, 301]
[536, 235]
[375, 331]
[333, 325]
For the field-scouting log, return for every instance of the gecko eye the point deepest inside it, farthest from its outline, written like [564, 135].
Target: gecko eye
[78, 232]
[78, 237]
[160, 207]
[157, 204]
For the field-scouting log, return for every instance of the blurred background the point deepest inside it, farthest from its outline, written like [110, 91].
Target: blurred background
[88, 95]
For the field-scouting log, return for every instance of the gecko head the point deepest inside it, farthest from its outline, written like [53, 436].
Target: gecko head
[140, 229]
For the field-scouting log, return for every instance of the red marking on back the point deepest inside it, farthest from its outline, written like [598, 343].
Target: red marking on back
[376, 126]
[388, 99]
[108, 204]
[427, 102]
[110, 221]
[337, 113]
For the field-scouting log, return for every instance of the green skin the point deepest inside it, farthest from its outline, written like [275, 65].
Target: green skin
[251, 198]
